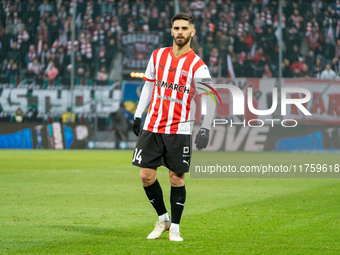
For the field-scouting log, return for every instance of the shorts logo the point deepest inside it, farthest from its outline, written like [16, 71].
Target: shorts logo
[186, 149]
[187, 162]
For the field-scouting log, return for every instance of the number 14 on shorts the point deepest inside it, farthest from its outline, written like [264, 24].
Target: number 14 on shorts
[137, 155]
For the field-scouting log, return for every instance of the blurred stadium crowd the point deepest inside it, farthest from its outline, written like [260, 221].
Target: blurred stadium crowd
[233, 37]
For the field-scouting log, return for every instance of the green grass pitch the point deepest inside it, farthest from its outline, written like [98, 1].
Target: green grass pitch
[92, 202]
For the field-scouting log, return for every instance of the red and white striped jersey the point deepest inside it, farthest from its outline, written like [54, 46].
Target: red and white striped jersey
[172, 107]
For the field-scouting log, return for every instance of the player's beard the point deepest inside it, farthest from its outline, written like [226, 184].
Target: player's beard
[181, 43]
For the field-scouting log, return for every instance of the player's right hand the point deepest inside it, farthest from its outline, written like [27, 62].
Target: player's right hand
[136, 126]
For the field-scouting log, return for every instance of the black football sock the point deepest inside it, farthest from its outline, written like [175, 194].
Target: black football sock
[155, 195]
[177, 201]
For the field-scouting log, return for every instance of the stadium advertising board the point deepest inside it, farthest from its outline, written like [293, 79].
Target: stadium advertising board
[43, 136]
[137, 48]
[40, 103]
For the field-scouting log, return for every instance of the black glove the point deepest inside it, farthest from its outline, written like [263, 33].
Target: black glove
[202, 138]
[136, 126]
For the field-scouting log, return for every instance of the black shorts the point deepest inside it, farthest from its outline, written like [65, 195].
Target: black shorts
[171, 150]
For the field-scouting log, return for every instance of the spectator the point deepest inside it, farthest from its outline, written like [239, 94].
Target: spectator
[215, 72]
[271, 42]
[153, 13]
[328, 73]
[291, 38]
[102, 57]
[195, 44]
[317, 68]
[10, 26]
[54, 58]
[51, 71]
[31, 30]
[248, 39]
[62, 37]
[310, 59]
[145, 27]
[294, 55]
[223, 43]
[33, 13]
[286, 72]
[296, 19]
[228, 15]
[164, 25]
[258, 26]
[223, 26]
[13, 71]
[42, 31]
[267, 73]
[131, 25]
[108, 37]
[309, 26]
[314, 40]
[208, 46]
[200, 52]
[34, 70]
[44, 55]
[62, 14]
[111, 50]
[14, 53]
[102, 75]
[40, 43]
[6, 43]
[30, 55]
[80, 67]
[23, 38]
[115, 27]
[248, 67]
[53, 27]
[305, 73]
[19, 7]
[44, 7]
[258, 56]
[61, 60]
[66, 78]
[68, 26]
[9, 65]
[240, 45]
[18, 25]
[328, 51]
[336, 65]
[259, 66]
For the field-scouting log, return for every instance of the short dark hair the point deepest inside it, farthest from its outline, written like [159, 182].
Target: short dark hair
[183, 16]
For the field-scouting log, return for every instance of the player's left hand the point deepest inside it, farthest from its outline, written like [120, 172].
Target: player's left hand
[136, 126]
[202, 138]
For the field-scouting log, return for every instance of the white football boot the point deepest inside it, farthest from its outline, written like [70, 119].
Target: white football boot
[160, 227]
[175, 235]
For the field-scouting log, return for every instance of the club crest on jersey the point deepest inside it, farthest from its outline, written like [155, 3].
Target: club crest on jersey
[176, 87]
[184, 73]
